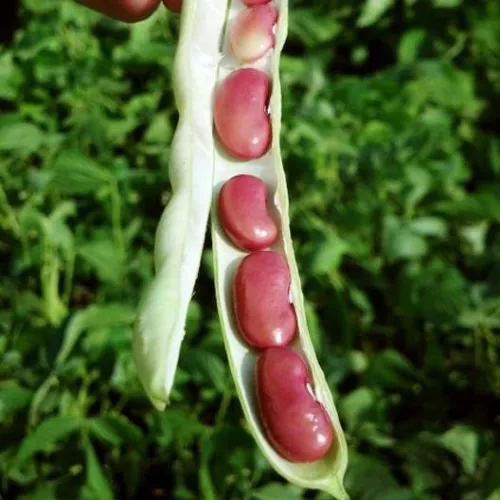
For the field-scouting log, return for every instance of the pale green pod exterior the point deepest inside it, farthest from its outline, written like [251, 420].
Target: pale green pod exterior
[181, 232]
[326, 474]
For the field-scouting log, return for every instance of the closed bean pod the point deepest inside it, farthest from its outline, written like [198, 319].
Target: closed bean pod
[263, 313]
[244, 214]
[226, 115]
[298, 426]
[181, 231]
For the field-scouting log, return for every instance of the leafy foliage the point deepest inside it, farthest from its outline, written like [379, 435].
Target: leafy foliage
[392, 154]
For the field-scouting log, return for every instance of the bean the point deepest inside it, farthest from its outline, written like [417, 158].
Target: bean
[243, 213]
[240, 116]
[297, 425]
[289, 425]
[263, 313]
[173, 5]
[251, 34]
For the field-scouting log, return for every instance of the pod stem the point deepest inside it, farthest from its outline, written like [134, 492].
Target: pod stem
[336, 488]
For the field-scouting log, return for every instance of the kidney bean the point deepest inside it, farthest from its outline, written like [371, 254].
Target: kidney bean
[173, 5]
[240, 116]
[263, 313]
[251, 34]
[243, 213]
[297, 425]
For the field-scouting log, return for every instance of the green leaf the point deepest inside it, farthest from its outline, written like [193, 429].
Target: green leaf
[374, 432]
[314, 325]
[357, 407]
[74, 173]
[395, 494]
[97, 481]
[475, 235]
[391, 370]
[207, 365]
[116, 430]
[491, 481]
[93, 317]
[23, 137]
[429, 226]
[103, 256]
[447, 4]
[277, 491]
[45, 492]
[207, 487]
[11, 77]
[177, 425]
[327, 255]
[409, 45]
[366, 477]
[401, 242]
[159, 130]
[41, 6]
[482, 205]
[372, 11]
[132, 468]
[427, 463]
[463, 441]
[47, 435]
[13, 398]
[312, 29]
[450, 88]
[436, 291]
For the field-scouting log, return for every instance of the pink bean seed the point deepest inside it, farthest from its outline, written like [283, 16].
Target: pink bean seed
[264, 315]
[297, 425]
[173, 5]
[243, 213]
[251, 34]
[240, 115]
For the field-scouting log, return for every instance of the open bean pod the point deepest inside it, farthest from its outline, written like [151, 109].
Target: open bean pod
[327, 472]
[227, 150]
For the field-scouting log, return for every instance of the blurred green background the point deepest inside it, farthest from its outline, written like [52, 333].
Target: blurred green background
[391, 147]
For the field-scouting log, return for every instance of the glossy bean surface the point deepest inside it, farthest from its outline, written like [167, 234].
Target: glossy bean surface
[240, 113]
[297, 425]
[244, 215]
[251, 34]
[263, 312]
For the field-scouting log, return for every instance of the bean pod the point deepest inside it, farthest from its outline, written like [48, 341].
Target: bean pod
[262, 316]
[229, 128]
